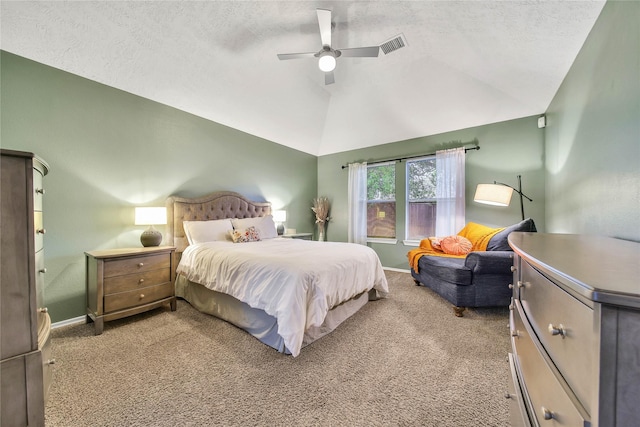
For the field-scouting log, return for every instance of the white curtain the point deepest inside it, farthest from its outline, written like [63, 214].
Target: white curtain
[450, 192]
[357, 227]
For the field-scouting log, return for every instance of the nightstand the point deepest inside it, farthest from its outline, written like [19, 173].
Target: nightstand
[303, 236]
[124, 282]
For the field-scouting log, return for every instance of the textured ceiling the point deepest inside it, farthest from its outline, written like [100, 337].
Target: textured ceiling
[466, 63]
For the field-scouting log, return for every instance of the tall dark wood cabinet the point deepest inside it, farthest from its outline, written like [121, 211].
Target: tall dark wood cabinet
[25, 324]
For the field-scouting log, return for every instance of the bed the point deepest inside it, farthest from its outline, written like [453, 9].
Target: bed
[285, 292]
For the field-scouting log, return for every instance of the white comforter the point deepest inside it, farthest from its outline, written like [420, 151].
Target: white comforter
[296, 281]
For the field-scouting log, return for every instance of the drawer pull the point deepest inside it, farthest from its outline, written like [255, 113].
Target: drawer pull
[41, 231]
[514, 333]
[50, 362]
[513, 269]
[43, 270]
[140, 264]
[560, 330]
[510, 285]
[520, 284]
[40, 190]
[547, 414]
[141, 296]
[43, 310]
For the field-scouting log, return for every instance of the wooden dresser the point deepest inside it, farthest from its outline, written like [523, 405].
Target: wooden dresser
[575, 331]
[25, 323]
[123, 282]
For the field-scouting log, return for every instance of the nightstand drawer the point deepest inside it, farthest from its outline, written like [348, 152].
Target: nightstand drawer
[122, 300]
[130, 282]
[129, 265]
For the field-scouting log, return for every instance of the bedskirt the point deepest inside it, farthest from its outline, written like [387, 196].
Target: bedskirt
[257, 322]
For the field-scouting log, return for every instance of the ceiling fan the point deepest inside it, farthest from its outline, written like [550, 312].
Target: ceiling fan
[327, 55]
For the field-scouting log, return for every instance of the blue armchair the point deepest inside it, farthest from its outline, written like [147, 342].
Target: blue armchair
[480, 279]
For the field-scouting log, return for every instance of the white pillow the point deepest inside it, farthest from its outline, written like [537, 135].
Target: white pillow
[207, 231]
[264, 225]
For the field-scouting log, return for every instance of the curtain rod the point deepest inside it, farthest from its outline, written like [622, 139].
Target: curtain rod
[399, 159]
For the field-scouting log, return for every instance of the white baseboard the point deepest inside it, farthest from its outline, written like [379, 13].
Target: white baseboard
[83, 319]
[399, 270]
[74, 321]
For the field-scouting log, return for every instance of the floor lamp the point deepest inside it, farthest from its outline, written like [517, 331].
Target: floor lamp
[499, 194]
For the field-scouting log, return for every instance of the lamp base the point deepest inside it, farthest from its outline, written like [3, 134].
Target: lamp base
[280, 229]
[151, 237]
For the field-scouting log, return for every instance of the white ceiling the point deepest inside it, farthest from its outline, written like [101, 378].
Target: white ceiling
[467, 63]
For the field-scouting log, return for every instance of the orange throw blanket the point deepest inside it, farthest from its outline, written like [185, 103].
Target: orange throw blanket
[478, 234]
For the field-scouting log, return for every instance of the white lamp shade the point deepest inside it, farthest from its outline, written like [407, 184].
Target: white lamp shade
[327, 62]
[151, 216]
[279, 216]
[493, 194]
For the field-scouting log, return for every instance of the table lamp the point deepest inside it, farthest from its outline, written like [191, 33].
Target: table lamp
[151, 216]
[279, 217]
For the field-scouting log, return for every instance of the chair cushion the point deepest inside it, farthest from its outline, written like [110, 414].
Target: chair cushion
[499, 241]
[451, 270]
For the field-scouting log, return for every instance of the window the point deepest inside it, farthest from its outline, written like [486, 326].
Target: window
[421, 198]
[381, 201]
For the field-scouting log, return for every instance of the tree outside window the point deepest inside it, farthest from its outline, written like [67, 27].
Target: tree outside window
[381, 200]
[421, 198]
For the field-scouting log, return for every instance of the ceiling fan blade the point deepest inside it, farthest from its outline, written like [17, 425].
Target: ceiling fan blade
[362, 52]
[324, 21]
[283, 56]
[329, 78]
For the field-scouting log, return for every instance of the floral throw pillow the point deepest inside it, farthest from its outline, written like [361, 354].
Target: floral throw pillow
[249, 234]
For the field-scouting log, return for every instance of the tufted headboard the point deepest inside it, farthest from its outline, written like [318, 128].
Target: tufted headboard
[218, 205]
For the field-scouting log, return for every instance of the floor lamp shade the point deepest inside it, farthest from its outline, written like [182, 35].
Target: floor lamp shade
[499, 194]
[493, 194]
[150, 216]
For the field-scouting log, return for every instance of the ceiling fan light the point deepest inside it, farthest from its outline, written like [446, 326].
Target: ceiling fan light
[327, 62]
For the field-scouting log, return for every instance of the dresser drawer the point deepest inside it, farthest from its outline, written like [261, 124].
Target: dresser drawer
[122, 300]
[38, 190]
[135, 281]
[548, 395]
[21, 390]
[40, 272]
[519, 416]
[38, 229]
[551, 310]
[129, 265]
[44, 343]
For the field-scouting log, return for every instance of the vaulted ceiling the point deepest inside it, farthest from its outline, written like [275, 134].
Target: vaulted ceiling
[465, 63]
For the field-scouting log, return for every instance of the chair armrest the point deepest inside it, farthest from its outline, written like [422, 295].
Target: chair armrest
[490, 262]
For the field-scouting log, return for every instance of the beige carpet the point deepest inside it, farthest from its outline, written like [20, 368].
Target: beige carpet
[405, 360]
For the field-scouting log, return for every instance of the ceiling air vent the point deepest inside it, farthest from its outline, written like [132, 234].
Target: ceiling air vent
[395, 43]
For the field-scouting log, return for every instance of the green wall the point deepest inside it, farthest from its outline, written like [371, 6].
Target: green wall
[507, 149]
[593, 133]
[109, 151]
